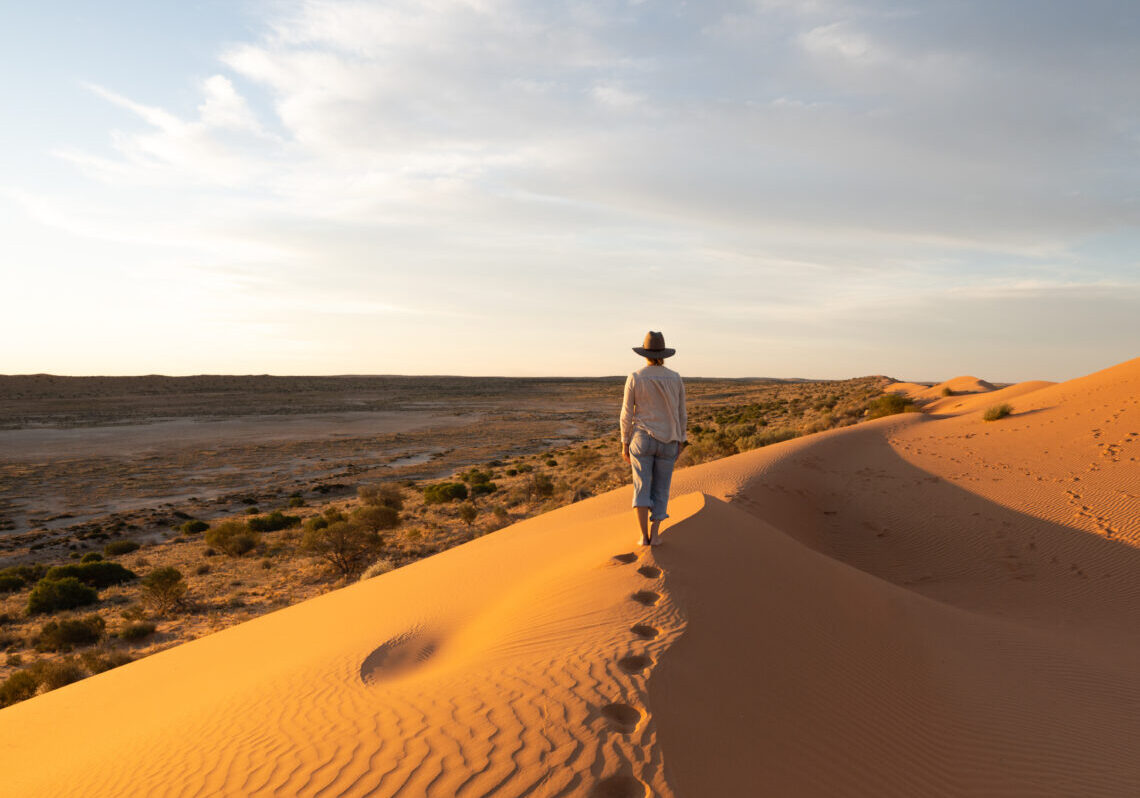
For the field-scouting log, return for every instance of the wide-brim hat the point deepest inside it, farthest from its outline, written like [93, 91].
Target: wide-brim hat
[654, 347]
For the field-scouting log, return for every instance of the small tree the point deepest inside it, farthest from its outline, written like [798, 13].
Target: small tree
[164, 589]
[383, 495]
[376, 517]
[346, 545]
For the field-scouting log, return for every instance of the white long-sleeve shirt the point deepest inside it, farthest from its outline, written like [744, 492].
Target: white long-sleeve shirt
[654, 402]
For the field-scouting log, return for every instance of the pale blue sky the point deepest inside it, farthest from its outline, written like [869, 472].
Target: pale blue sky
[824, 188]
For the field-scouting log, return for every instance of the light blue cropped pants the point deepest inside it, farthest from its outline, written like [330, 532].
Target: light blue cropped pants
[652, 461]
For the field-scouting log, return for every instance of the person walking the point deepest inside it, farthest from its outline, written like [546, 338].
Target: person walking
[653, 422]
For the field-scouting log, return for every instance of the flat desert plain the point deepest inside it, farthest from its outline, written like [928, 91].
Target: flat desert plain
[928, 604]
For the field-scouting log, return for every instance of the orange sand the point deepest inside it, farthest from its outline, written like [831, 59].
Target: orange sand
[923, 605]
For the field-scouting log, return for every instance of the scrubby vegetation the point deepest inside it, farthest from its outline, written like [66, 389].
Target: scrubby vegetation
[193, 527]
[64, 634]
[118, 547]
[234, 538]
[443, 492]
[272, 522]
[98, 574]
[347, 546]
[135, 632]
[997, 412]
[890, 404]
[51, 595]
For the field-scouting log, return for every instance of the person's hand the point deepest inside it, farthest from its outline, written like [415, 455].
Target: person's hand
[625, 452]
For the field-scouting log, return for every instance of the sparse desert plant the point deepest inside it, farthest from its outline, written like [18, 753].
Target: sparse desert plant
[9, 583]
[296, 500]
[98, 661]
[997, 411]
[64, 634]
[376, 517]
[164, 588]
[443, 492]
[345, 545]
[50, 595]
[385, 494]
[232, 537]
[97, 574]
[91, 556]
[119, 547]
[133, 613]
[202, 569]
[468, 513]
[134, 632]
[193, 527]
[890, 404]
[273, 522]
[57, 673]
[539, 486]
[27, 574]
[377, 568]
[947, 390]
[19, 686]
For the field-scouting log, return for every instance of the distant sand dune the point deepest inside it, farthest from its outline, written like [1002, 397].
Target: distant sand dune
[922, 605]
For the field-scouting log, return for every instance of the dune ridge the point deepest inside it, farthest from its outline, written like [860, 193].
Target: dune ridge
[926, 604]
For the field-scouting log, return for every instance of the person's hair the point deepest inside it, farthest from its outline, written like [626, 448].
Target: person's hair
[656, 361]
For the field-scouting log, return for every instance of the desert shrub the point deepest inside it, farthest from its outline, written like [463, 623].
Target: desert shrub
[540, 486]
[889, 404]
[345, 545]
[377, 568]
[475, 476]
[468, 513]
[316, 522]
[164, 588]
[52, 675]
[63, 635]
[274, 521]
[483, 488]
[552, 462]
[997, 411]
[134, 632]
[193, 527]
[384, 495]
[91, 556]
[119, 547]
[96, 574]
[50, 595]
[202, 569]
[296, 501]
[511, 472]
[27, 574]
[20, 686]
[232, 537]
[135, 612]
[443, 492]
[947, 391]
[98, 661]
[501, 513]
[767, 438]
[376, 517]
[14, 659]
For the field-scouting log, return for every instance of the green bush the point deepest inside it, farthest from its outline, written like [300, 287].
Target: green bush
[20, 686]
[119, 547]
[540, 486]
[27, 574]
[889, 404]
[947, 391]
[91, 556]
[274, 521]
[997, 411]
[468, 513]
[10, 583]
[296, 501]
[96, 574]
[135, 632]
[232, 537]
[483, 488]
[443, 492]
[63, 635]
[164, 588]
[376, 517]
[50, 595]
[193, 527]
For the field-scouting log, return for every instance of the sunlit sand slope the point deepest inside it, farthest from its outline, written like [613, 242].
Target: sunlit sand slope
[923, 605]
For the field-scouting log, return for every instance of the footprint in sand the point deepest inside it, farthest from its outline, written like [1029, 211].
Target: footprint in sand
[644, 631]
[649, 571]
[622, 717]
[646, 597]
[619, 787]
[634, 663]
[398, 656]
[626, 559]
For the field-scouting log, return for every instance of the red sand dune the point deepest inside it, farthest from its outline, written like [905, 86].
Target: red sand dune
[923, 605]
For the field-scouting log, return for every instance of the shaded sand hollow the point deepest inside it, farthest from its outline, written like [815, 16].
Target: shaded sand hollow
[923, 605]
